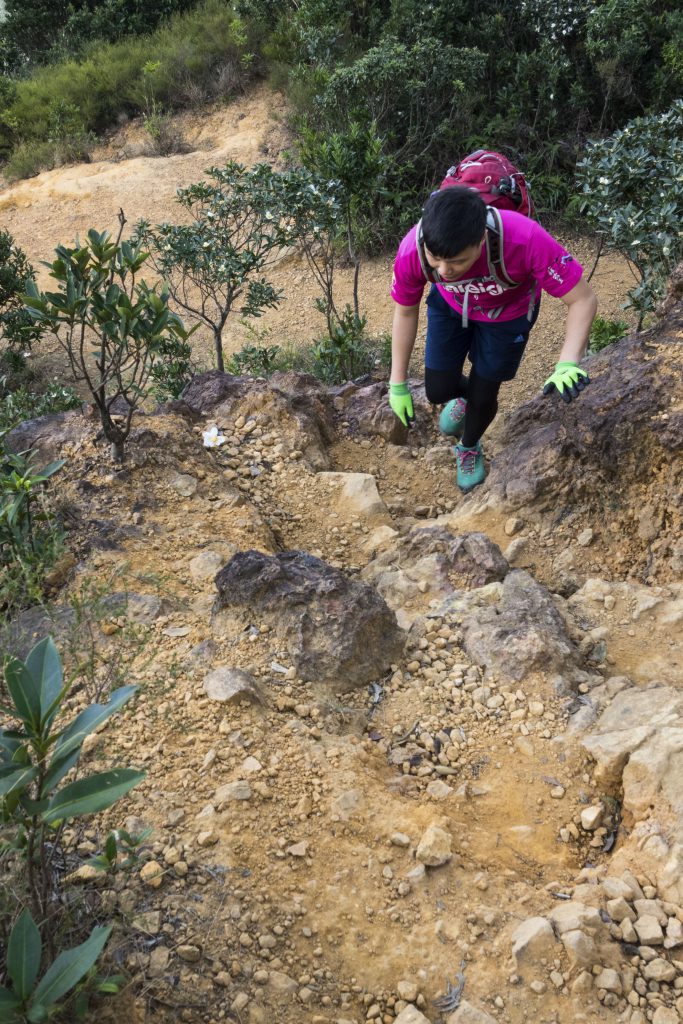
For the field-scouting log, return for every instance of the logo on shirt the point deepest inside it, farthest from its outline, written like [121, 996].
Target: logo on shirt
[488, 287]
[554, 274]
[564, 260]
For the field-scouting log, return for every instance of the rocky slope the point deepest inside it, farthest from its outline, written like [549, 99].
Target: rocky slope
[410, 757]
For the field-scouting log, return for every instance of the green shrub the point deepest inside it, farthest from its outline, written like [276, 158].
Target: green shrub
[631, 190]
[605, 332]
[199, 56]
[24, 403]
[254, 361]
[240, 225]
[16, 328]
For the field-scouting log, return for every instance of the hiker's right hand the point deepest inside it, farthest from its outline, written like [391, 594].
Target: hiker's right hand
[401, 402]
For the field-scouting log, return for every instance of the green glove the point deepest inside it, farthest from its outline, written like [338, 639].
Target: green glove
[401, 401]
[568, 380]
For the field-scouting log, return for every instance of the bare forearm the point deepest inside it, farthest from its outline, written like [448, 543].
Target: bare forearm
[580, 316]
[403, 334]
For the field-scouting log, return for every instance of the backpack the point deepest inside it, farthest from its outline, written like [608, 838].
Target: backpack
[503, 187]
[497, 181]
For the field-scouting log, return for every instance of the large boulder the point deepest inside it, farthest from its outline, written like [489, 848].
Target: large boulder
[335, 630]
[522, 632]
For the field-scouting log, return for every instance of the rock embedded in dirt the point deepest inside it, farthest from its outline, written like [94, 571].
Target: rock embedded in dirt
[227, 684]
[183, 484]
[152, 874]
[411, 1015]
[469, 1014]
[356, 495]
[521, 633]
[434, 848]
[205, 565]
[337, 631]
[239, 790]
[296, 404]
[532, 940]
[48, 435]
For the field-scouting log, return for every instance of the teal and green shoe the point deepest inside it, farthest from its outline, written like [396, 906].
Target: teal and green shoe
[452, 418]
[471, 470]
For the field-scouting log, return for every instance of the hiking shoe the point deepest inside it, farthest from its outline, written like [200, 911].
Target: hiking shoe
[471, 469]
[452, 418]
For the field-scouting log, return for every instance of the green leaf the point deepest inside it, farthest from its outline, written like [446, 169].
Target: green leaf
[69, 968]
[11, 782]
[25, 693]
[24, 950]
[9, 1004]
[37, 1014]
[45, 666]
[59, 767]
[88, 796]
[88, 720]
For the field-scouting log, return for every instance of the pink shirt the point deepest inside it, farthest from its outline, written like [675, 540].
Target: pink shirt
[531, 254]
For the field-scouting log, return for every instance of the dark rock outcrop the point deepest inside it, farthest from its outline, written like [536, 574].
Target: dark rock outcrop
[336, 631]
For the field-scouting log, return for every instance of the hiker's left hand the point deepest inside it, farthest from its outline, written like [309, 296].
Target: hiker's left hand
[568, 380]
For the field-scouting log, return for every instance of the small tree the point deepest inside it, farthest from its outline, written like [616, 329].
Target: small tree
[631, 192]
[239, 228]
[112, 328]
[353, 160]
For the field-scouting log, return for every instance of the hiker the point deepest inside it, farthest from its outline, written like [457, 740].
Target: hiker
[486, 267]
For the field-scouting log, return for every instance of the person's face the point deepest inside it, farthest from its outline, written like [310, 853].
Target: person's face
[455, 266]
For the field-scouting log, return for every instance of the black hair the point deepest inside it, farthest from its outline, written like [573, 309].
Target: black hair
[452, 220]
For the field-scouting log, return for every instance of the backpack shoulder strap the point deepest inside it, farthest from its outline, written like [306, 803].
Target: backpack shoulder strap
[495, 248]
[426, 269]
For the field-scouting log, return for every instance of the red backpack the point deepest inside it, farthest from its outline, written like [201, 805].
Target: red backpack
[497, 181]
[503, 187]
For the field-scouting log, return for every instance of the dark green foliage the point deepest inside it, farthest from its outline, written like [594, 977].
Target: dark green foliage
[37, 753]
[254, 361]
[532, 79]
[43, 31]
[129, 325]
[605, 332]
[197, 56]
[16, 327]
[631, 190]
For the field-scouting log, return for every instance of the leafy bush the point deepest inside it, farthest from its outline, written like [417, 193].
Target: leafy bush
[131, 324]
[631, 189]
[240, 225]
[605, 332]
[36, 755]
[30, 539]
[254, 361]
[25, 403]
[16, 327]
[42, 31]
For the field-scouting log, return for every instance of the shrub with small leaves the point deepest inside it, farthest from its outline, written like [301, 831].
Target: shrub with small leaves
[631, 188]
[605, 332]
